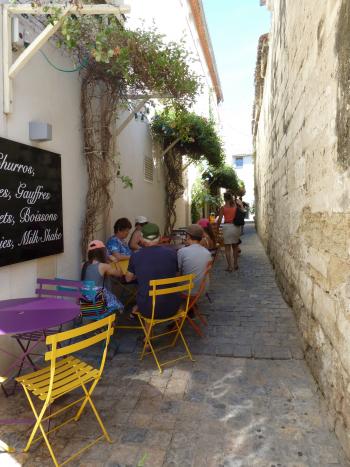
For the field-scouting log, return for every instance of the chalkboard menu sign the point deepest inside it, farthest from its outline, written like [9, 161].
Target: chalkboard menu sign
[31, 224]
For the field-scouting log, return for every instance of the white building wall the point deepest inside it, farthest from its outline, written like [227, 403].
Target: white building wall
[44, 94]
[144, 198]
[173, 18]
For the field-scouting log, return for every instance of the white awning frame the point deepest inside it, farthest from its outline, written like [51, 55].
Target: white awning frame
[10, 69]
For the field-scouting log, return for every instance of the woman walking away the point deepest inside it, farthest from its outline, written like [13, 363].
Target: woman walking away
[98, 270]
[231, 232]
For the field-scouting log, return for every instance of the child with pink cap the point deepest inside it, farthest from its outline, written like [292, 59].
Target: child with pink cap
[97, 269]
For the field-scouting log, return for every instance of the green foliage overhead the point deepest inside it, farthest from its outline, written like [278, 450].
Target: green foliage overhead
[223, 177]
[196, 136]
[140, 60]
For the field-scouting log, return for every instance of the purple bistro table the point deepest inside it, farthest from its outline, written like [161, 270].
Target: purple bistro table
[32, 315]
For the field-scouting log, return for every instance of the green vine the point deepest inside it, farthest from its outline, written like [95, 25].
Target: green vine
[182, 133]
[196, 136]
[223, 176]
[118, 63]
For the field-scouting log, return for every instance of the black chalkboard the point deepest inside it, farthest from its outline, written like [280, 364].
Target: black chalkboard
[31, 224]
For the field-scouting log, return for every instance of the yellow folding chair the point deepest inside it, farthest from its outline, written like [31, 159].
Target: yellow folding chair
[181, 284]
[193, 306]
[65, 375]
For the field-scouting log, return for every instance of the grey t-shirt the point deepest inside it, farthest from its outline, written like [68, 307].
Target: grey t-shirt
[193, 259]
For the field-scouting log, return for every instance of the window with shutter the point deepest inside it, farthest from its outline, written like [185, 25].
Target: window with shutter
[148, 169]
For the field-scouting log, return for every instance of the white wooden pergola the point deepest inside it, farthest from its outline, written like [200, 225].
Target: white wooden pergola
[10, 69]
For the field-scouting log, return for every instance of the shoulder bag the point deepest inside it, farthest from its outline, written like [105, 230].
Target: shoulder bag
[239, 217]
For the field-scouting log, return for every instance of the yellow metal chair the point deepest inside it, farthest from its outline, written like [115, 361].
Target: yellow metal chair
[65, 375]
[181, 284]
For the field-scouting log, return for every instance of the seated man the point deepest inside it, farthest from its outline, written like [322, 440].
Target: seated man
[136, 240]
[194, 258]
[116, 246]
[153, 262]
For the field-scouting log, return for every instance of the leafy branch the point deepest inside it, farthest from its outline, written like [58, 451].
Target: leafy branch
[182, 133]
[117, 62]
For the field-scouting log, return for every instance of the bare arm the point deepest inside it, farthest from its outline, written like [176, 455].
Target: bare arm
[129, 276]
[221, 213]
[135, 240]
[110, 269]
[118, 256]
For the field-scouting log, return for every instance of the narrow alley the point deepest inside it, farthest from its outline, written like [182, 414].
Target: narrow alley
[248, 400]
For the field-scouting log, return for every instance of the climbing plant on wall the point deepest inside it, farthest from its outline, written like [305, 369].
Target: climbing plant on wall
[223, 176]
[183, 133]
[117, 63]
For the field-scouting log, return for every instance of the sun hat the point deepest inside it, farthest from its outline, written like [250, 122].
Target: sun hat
[141, 220]
[203, 222]
[195, 231]
[94, 244]
[150, 232]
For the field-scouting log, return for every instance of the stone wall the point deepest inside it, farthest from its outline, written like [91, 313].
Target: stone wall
[303, 184]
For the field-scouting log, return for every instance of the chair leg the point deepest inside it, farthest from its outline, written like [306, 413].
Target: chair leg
[199, 315]
[208, 297]
[88, 399]
[83, 404]
[6, 448]
[37, 425]
[195, 327]
[148, 342]
[179, 334]
[186, 347]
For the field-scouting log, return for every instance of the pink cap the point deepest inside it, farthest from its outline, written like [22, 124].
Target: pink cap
[203, 222]
[95, 244]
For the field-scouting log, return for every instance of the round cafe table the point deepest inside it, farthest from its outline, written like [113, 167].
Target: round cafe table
[31, 317]
[23, 315]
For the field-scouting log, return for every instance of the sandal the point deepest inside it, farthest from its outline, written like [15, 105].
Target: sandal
[228, 269]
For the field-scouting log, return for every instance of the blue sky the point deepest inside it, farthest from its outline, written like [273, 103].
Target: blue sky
[235, 27]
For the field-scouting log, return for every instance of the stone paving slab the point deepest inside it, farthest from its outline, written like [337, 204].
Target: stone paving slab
[213, 412]
[247, 317]
[247, 400]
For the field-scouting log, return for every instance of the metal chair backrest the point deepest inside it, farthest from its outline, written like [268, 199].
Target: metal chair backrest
[89, 340]
[178, 235]
[202, 286]
[178, 284]
[59, 288]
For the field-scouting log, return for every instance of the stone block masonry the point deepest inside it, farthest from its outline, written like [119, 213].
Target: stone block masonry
[302, 172]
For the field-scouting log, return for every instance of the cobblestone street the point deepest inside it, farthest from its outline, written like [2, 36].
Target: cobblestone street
[248, 399]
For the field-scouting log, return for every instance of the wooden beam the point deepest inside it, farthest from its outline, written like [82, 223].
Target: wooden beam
[26, 8]
[37, 43]
[170, 147]
[131, 115]
[10, 70]
[6, 57]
